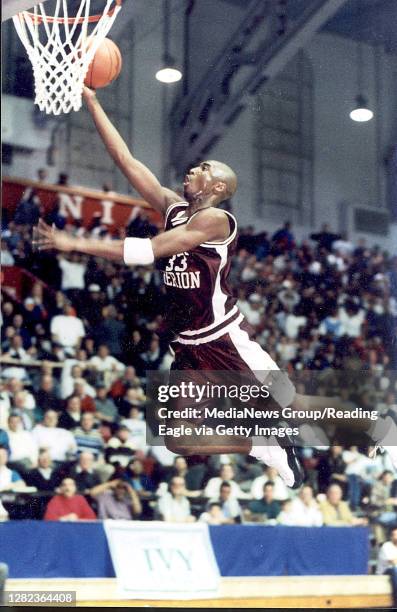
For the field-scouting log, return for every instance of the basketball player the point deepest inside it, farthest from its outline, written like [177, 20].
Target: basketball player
[194, 253]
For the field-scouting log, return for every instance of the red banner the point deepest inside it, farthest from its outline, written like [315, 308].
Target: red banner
[77, 203]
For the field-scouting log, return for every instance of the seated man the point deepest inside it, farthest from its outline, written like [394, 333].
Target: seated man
[270, 474]
[45, 477]
[68, 506]
[337, 512]
[59, 442]
[383, 501]
[226, 474]
[305, 511]
[85, 474]
[265, 509]
[87, 437]
[174, 507]
[231, 509]
[117, 500]
[23, 446]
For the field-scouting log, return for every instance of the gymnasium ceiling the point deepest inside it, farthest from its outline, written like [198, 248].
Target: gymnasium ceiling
[370, 21]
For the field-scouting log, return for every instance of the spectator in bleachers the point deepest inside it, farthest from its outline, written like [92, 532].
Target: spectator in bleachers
[73, 268]
[59, 442]
[305, 511]
[23, 446]
[136, 425]
[193, 477]
[67, 330]
[45, 477]
[84, 473]
[383, 501]
[112, 331]
[70, 417]
[21, 405]
[226, 474]
[174, 506]
[283, 240]
[87, 437]
[105, 408]
[140, 482]
[230, 506]
[133, 398]
[265, 509]
[67, 505]
[120, 449]
[108, 366]
[337, 512]
[214, 515]
[86, 393]
[46, 396]
[117, 500]
[10, 480]
[325, 238]
[332, 468]
[270, 474]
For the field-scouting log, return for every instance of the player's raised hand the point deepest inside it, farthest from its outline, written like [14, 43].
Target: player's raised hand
[46, 237]
[88, 93]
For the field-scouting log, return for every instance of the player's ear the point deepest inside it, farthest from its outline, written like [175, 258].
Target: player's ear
[220, 187]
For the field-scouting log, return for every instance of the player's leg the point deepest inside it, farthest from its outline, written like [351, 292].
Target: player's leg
[266, 450]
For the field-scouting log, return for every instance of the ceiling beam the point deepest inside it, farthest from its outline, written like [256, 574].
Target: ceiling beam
[201, 119]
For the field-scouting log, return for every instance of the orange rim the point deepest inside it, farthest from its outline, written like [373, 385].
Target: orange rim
[71, 20]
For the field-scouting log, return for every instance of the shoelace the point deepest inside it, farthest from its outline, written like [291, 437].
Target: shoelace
[377, 447]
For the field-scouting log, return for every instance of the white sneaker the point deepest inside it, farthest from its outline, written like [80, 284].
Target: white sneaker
[273, 455]
[389, 442]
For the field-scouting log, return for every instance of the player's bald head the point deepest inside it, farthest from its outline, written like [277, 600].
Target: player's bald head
[225, 174]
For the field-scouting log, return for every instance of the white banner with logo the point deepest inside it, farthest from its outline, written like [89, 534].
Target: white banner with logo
[155, 560]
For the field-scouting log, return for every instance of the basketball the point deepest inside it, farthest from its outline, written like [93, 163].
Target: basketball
[106, 65]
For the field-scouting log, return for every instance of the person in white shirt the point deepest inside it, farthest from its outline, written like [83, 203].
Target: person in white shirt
[387, 562]
[352, 319]
[23, 446]
[108, 366]
[73, 271]
[280, 491]
[226, 475]
[67, 330]
[174, 507]
[137, 427]
[305, 511]
[293, 322]
[60, 443]
[253, 309]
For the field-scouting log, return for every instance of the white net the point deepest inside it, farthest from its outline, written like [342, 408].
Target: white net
[61, 49]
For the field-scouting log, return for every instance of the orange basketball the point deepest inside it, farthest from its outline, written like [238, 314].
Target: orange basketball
[106, 65]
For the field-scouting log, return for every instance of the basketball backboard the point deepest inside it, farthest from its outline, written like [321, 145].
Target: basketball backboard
[12, 7]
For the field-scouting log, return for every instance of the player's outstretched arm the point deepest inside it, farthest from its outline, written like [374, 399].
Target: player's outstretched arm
[211, 225]
[46, 238]
[140, 177]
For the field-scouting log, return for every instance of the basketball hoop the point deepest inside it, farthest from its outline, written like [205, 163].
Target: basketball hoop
[61, 49]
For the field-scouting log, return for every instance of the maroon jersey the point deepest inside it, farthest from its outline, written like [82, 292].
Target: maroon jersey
[199, 301]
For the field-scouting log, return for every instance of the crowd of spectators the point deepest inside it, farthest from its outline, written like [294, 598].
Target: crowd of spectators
[76, 349]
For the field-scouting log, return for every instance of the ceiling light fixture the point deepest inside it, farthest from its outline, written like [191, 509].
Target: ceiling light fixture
[169, 73]
[361, 111]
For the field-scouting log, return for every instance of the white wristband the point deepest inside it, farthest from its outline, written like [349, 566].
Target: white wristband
[138, 251]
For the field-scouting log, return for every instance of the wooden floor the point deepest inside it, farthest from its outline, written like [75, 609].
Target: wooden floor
[272, 592]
